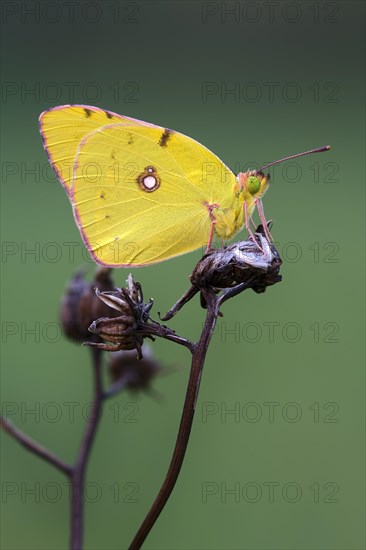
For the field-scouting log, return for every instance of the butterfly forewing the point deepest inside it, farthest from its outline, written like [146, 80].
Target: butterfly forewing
[62, 129]
[140, 194]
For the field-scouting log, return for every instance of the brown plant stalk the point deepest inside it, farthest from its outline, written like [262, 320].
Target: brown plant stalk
[78, 471]
[198, 351]
[218, 276]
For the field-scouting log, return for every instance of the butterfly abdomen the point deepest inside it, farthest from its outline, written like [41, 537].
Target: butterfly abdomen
[229, 220]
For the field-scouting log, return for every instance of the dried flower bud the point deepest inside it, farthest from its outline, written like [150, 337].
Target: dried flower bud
[135, 374]
[234, 264]
[125, 331]
[119, 330]
[80, 306]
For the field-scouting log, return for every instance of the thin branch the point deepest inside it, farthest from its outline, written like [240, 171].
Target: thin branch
[234, 291]
[187, 296]
[198, 358]
[78, 475]
[34, 447]
[162, 331]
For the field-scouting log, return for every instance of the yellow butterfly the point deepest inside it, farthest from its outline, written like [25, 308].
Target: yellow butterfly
[142, 193]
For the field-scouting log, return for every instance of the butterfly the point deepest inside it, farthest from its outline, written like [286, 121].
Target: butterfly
[142, 193]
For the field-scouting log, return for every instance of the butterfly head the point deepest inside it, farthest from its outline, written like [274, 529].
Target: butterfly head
[253, 184]
[257, 184]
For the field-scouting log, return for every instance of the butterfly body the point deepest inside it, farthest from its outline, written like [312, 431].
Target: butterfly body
[142, 193]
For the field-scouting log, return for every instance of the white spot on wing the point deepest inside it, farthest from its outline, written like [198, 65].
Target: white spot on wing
[150, 182]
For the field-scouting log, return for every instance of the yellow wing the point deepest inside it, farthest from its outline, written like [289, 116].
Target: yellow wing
[142, 194]
[62, 129]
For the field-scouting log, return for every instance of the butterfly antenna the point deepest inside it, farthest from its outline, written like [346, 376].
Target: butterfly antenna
[318, 150]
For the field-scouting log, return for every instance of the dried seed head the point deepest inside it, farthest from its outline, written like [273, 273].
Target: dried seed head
[234, 264]
[80, 306]
[124, 332]
[114, 329]
[137, 374]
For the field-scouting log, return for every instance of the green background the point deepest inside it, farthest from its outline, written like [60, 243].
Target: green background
[152, 61]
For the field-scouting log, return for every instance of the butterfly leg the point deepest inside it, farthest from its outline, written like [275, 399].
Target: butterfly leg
[210, 207]
[263, 219]
[247, 225]
[211, 235]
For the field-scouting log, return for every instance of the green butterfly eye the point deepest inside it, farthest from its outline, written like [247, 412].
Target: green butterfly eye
[253, 184]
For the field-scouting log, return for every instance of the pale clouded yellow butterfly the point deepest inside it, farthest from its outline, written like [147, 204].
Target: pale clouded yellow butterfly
[141, 193]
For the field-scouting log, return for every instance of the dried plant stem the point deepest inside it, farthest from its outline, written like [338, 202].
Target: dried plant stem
[75, 473]
[162, 331]
[199, 351]
[34, 447]
[78, 472]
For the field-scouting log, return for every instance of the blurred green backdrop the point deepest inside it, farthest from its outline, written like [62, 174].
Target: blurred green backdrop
[253, 81]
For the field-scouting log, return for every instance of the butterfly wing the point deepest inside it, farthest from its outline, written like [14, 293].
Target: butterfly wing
[62, 129]
[141, 193]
